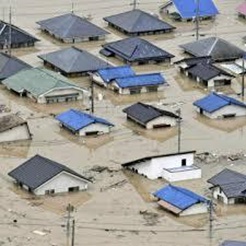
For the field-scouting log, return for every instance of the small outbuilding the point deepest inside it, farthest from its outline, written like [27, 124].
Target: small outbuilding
[13, 128]
[19, 37]
[105, 76]
[181, 201]
[217, 106]
[241, 10]
[70, 28]
[44, 86]
[42, 176]
[172, 167]
[136, 51]
[73, 62]
[83, 124]
[150, 117]
[218, 48]
[10, 65]
[187, 9]
[137, 22]
[229, 186]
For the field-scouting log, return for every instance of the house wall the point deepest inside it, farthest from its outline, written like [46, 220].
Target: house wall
[98, 79]
[153, 168]
[230, 109]
[61, 183]
[100, 128]
[60, 92]
[211, 82]
[17, 133]
[182, 175]
[199, 208]
[160, 121]
[220, 196]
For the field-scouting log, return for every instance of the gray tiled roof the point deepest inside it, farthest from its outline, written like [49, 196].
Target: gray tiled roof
[233, 243]
[133, 49]
[10, 121]
[194, 60]
[219, 49]
[18, 36]
[145, 113]
[71, 26]
[10, 65]
[136, 21]
[72, 60]
[231, 182]
[38, 170]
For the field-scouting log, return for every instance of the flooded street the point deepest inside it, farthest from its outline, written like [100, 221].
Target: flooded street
[106, 215]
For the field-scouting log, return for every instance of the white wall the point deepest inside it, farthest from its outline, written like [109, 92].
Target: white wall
[61, 183]
[182, 175]
[95, 127]
[218, 192]
[230, 109]
[198, 208]
[98, 79]
[153, 168]
[217, 78]
[161, 120]
[17, 133]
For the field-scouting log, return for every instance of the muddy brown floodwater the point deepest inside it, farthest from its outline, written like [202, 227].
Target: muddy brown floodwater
[123, 214]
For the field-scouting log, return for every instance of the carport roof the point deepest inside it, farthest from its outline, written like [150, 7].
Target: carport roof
[38, 170]
[74, 60]
[137, 21]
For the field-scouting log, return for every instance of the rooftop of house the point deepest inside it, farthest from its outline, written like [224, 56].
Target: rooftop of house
[10, 121]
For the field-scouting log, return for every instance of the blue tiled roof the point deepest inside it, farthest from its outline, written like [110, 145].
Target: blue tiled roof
[187, 8]
[76, 120]
[140, 80]
[179, 197]
[215, 101]
[110, 73]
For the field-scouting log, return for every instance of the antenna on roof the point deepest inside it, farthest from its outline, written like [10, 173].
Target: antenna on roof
[10, 29]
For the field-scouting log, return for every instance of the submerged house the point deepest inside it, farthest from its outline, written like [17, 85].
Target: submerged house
[10, 65]
[137, 22]
[229, 186]
[13, 128]
[217, 48]
[70, 28]
[73, 62]
[83, 124]
[172, 167]
[181, 201]
[136, 51]
[217, 106]
[149, 116]
[188, 9]
[43, 86]
[19, 37]
[42, 176]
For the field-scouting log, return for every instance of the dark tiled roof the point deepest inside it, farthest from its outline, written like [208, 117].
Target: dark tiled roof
[219, 49]
[10, 121]
[133, 49]
[194, 60]
[10, 65]
[145, 113]
[138, 21]
[231, 182]
[74, 60]
[206, 71]
[71, 26]
[38, 170]
[18, 36]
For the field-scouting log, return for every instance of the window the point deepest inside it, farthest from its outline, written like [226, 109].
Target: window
[183, 162]
[48, 192]
[152, 88]
[72, 189]
[135, 91]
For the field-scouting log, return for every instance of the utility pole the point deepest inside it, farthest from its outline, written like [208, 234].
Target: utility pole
[72, 9]
[211, 218]
[92, 96]
[243, 64]
[69, 209]
[10, 27]
[179, 129]
[73, 233]
[197, 19]
[134, 4]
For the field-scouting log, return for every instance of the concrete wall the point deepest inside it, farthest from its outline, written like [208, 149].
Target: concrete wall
[160, 121]
[199, 208]
[230, 109]
[17, 133]
[182, 175]
[61, 183]
[100, 128]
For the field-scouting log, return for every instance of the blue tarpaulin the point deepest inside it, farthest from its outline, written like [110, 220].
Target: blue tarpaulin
[179, 197]
[188, 8]
[76, 120]
[215, 101]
